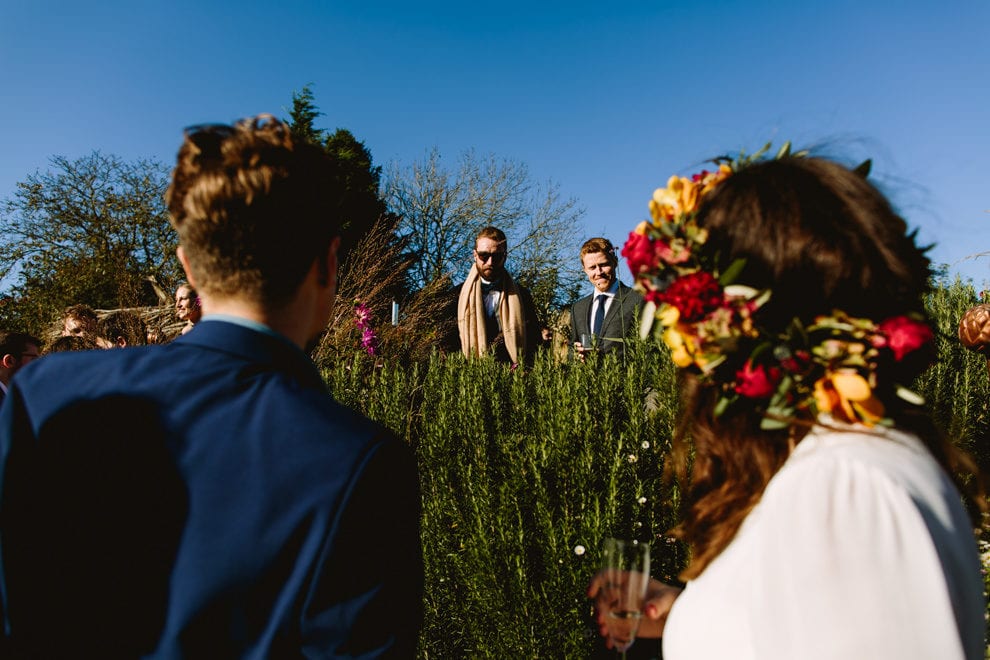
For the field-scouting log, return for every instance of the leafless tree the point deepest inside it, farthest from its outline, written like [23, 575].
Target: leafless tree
[442, 208]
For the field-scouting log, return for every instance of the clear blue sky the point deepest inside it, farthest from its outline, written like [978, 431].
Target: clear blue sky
[607, 102]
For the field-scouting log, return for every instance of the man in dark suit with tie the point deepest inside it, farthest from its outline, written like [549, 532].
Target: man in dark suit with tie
[610, 315]
[208, 498]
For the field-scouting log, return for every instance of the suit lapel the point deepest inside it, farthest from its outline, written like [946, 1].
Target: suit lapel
[582, 309]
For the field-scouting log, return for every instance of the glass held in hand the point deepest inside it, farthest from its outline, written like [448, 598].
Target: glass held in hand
[626, 573]
[589, 342]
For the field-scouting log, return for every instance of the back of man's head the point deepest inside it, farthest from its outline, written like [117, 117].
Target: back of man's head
[253, 208]
[122, 328]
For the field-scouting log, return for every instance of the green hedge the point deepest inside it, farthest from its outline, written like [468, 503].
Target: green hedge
[524, 473]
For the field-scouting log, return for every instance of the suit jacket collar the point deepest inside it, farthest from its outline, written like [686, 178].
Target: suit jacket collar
[261, 348]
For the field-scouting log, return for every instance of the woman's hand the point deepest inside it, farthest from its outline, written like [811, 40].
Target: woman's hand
[659, 599]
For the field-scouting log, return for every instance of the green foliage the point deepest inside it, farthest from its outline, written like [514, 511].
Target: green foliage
[518, 469]
[93, 230]
[956, 388]
[303, 115]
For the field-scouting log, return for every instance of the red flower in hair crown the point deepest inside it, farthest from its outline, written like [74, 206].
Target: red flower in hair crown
[710, 322]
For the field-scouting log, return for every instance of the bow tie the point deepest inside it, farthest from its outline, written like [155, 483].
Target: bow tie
[490, 287]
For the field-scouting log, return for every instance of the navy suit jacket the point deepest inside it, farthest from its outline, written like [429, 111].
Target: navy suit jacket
[206, 498]
[619, 323]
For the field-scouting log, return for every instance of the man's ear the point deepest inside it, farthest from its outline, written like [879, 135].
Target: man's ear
[181, 254]
[327, 264]
[8, 361]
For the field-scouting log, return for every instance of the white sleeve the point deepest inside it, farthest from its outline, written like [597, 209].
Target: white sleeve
[847, 568]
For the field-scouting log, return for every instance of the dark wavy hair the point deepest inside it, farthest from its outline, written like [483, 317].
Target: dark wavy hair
[822, 238]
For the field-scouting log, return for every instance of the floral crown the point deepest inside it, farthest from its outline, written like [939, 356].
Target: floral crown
[711, 323]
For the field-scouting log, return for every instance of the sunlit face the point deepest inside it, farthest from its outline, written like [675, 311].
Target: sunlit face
[186, 305]
[73, 327]
[599, 269]
[489, 256]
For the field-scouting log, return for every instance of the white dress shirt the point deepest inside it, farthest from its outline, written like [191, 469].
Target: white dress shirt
[595, 301]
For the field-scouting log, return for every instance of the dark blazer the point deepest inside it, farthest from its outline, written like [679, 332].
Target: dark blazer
[620, 322]
[206, 498]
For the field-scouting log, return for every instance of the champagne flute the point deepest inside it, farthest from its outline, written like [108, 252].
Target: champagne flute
[626, 569]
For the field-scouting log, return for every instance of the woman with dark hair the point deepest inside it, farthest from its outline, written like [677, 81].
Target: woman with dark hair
[819, 509]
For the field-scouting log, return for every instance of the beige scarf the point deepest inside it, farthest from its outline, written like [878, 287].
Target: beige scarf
[471, 317]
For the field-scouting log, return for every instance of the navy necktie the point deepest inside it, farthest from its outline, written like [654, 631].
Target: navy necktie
[596, 325]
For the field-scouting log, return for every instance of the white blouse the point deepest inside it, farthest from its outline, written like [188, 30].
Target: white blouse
[859, 548]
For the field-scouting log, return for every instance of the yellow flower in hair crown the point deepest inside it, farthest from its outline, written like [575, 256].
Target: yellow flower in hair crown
[710, 322]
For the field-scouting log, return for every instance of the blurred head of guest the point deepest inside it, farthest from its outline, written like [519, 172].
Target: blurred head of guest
[121, 329]
[71, 343]
[78, 320]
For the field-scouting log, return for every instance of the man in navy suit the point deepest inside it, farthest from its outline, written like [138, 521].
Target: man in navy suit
[610, 314]
[208, 498]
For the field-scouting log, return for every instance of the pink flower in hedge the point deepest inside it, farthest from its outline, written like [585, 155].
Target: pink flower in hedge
[902, 335]
[369, 341]
[756, 382]
[362, 315]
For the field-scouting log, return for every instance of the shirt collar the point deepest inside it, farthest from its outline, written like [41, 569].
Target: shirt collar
[250, 324]
[610, 292]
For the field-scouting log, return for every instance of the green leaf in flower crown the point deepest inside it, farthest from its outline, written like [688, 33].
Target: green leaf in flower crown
[797, 333]
[784, 151]
[863, 169]
[732, 272]
[712, 363]
[721, 406]
[910, 396]
[777, 422]
[761, 348]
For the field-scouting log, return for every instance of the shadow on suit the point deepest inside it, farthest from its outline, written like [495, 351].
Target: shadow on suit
[92, 512]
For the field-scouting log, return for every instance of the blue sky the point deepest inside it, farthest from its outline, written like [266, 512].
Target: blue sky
[606, 101]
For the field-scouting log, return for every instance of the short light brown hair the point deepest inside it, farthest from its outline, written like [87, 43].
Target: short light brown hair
[84, 313]
[596, 245]
[253, 208]
[494, 233]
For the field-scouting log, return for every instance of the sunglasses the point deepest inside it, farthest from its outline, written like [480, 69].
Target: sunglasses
[494, 256]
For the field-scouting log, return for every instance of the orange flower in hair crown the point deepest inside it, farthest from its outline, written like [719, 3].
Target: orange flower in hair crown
[710, 322]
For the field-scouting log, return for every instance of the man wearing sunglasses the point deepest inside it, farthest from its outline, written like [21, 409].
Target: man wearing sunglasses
[494, 313]
[223, 504]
